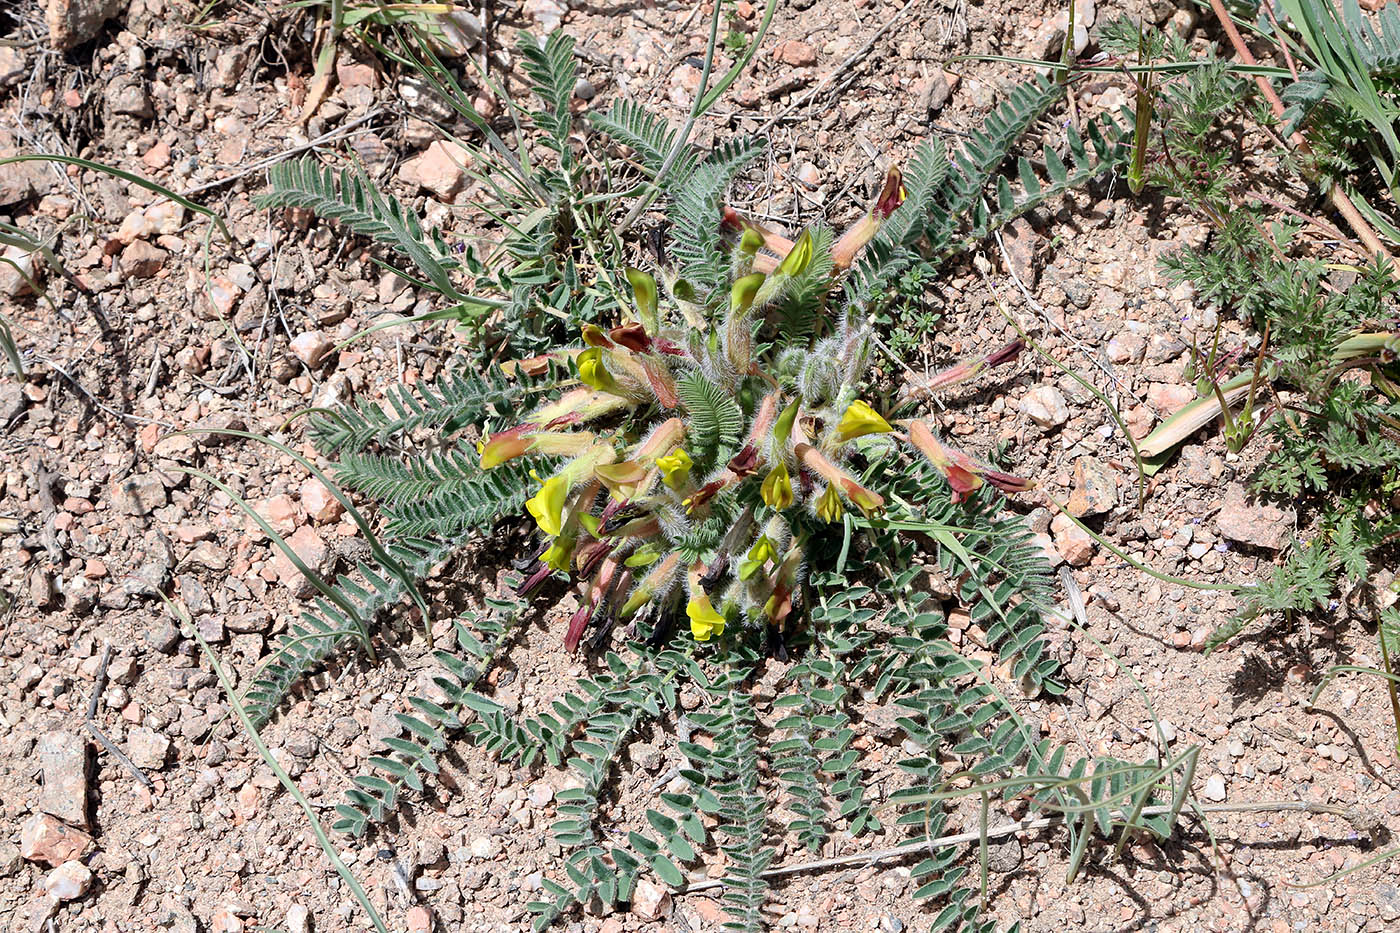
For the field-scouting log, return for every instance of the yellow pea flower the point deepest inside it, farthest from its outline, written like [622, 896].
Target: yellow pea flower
[644, 293]
[704, 620]
[829, 508]
[675, 467]
[761, 552]
[777, 488]
[642, 557]
[782, 429]
[547, 505]
[559, 554]
[592, 371]
[743, 291]
[859, 420]
[799, 257]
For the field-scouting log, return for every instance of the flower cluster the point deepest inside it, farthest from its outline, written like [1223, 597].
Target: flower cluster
[695, 473]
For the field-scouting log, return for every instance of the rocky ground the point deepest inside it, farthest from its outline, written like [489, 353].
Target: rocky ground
[129, 800]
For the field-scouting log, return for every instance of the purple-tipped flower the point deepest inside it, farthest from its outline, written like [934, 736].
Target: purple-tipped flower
[844, 252]
[969, 369]
[964, 475]
[632, 336]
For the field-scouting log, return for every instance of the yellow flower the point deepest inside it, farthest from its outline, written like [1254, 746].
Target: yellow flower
[675, 467]
[704, 620]
[782, 429]
[644, 294]
[642, 557]
[799, 257]
[592, 371]
[859, 420]
[558, 555]
[742, 292]
[547, 505]
[761, 552]
[777, 488]
[829, 508]
[750, 241]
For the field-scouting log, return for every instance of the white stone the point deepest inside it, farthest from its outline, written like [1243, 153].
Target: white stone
[548, 13]
[650, 901]
[311, 347]
[1046, 406]
[163, 218]
[442, 169]
[298, 919]
[68, 881]
[321, 507]
[15, 279]
[540, 794]
[1215, 788]
[147, 748]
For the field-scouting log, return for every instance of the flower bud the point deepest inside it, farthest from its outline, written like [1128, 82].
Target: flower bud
[799, 257]
[505, 445]
[864, 230]
[631, 336]
[593, 336]
[782, 429]
[742, 293]
[751, 241]
[867, 500]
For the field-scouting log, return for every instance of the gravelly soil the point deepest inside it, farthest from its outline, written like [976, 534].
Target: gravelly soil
[140, 339]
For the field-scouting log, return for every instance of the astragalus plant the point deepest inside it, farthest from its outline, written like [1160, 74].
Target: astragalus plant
[713, 470]
[699, 462]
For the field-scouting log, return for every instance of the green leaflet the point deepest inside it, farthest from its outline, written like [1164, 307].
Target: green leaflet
[716, 420]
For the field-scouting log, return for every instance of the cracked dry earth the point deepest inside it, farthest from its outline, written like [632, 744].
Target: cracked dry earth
[173, 823]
